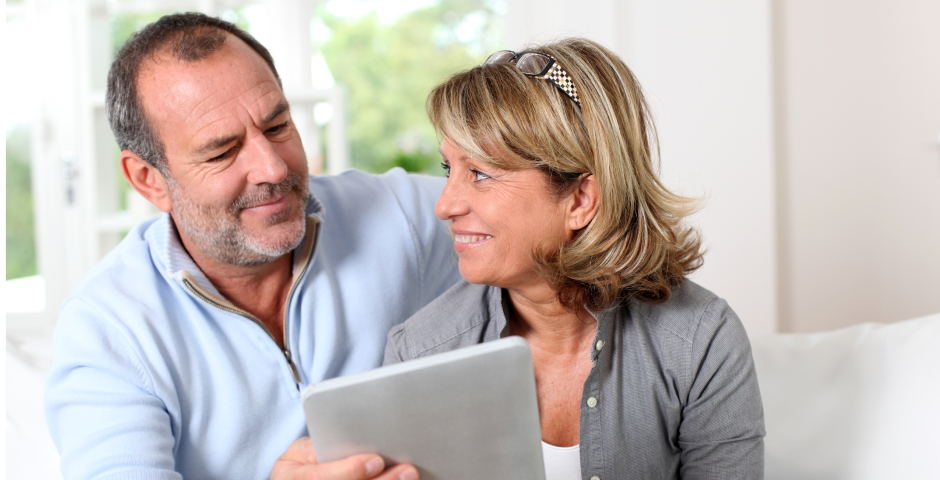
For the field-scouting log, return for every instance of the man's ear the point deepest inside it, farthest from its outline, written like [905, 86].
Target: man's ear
[146, 179]
[583, 203]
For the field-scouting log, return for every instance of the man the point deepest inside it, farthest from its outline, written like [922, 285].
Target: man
[184, 351]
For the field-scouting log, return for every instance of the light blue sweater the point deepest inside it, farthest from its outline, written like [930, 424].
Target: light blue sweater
[154, 377]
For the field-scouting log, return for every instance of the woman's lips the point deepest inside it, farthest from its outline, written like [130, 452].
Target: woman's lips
[465, 241]
[471, 238]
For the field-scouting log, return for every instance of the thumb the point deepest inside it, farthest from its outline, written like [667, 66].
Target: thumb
[356, 467]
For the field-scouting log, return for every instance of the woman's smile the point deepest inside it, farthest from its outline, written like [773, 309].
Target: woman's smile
[465, 240]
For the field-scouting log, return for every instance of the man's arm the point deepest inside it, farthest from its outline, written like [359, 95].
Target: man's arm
[100, 404]
[437, 262]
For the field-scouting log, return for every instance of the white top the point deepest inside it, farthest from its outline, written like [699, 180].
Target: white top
[562, 463]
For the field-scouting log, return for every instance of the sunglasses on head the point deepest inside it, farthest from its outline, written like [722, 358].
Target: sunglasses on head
[540, 65]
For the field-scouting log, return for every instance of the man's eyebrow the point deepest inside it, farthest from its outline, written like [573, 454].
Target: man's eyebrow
[220, 142]
[215, 144]
[280, 108]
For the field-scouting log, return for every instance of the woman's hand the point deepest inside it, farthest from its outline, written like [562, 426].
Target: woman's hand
[300, 463]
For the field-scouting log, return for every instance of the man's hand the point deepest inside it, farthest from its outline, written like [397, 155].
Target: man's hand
[300, 463]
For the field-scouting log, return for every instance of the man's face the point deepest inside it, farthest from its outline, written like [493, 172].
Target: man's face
[238, 183]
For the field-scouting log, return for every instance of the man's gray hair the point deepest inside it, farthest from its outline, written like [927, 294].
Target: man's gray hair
[188, 37]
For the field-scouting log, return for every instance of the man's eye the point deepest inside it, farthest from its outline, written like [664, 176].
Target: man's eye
[446, 168]
[478, 175]
[225, 155]
[277, 129]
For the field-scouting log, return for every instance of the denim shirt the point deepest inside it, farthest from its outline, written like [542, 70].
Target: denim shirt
[672, 392]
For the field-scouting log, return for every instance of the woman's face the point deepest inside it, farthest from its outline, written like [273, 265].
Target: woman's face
[499, 218]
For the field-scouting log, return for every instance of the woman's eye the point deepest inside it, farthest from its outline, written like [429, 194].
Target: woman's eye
[478, 175]
[446, 168]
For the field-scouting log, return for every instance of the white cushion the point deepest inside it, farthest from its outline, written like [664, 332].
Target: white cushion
[30, 451]
[858, 403]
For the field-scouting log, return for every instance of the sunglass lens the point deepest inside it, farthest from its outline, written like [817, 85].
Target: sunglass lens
[533, 63]
[501, 56]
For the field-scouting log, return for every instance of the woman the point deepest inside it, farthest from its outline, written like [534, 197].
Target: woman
[566, 237]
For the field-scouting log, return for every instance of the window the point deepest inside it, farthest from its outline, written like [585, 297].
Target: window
[24, 289]
[388, 56]
[355, 71]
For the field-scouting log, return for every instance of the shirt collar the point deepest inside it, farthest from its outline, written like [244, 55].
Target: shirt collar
[605, 320]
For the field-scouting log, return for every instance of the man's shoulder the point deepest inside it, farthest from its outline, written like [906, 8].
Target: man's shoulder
[345, 186]
[459, 317]
[126, 277]
[355, 191]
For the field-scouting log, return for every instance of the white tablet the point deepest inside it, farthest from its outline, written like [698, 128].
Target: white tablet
[468, 414]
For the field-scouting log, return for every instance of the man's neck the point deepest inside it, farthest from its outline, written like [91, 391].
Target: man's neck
[260, 290]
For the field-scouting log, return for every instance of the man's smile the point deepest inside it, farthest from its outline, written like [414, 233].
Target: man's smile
[270, 207]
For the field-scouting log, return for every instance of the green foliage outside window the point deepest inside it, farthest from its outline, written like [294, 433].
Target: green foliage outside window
[21, 238]
[388, 70]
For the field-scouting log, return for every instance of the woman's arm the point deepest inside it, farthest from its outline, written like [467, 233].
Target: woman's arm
[722, 429]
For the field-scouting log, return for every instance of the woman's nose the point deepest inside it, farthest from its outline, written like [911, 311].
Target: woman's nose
[451, 203]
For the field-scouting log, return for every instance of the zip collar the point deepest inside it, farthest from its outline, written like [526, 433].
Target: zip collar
[302, 256]
[167, 249]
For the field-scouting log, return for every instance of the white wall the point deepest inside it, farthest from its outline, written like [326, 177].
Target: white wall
[706, 69]
[811, 126]
[858, 118]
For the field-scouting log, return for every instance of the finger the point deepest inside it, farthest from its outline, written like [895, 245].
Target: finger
[399, 472]
[301, 451]
[356, 467]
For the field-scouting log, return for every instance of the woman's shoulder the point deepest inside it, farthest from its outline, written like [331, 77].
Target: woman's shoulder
[691, 311]
[464, 315]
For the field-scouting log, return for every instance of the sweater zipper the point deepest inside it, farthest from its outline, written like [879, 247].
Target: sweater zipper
[285, 350]
[290, 296]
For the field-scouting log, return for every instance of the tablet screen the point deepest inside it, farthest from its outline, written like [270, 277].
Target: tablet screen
[470, 413]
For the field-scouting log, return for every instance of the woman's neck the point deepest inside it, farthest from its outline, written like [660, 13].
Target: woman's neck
[536, 315]
[560, 341]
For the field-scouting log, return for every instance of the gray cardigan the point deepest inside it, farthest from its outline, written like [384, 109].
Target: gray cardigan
[672, 394]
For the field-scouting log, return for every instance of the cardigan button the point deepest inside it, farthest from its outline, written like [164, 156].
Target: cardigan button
[599, 345]
[592, 402]
[595, 477]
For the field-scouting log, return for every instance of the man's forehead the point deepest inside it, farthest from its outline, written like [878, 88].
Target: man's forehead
[232, 50]
[232, 77]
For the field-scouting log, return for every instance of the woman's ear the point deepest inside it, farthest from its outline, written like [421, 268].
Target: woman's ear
[146, 179]
[583, 203]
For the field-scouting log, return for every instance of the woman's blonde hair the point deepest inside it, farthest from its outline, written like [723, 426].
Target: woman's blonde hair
[636, 246]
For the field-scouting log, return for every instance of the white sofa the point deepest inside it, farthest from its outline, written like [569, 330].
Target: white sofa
[857, 403]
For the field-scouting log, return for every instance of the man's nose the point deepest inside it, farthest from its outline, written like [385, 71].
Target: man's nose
[265, 165]
[451, 202]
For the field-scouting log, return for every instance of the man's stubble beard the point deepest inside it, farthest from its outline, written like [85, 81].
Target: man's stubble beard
[219, 233]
